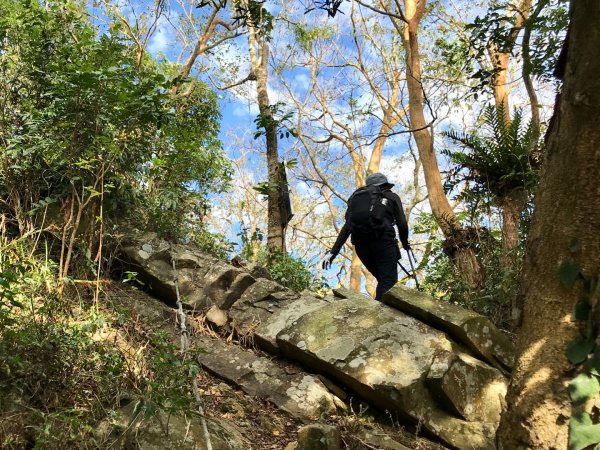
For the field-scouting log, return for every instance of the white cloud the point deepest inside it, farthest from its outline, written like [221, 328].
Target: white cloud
[301, 81]
[243, 111]
[398, 170]
[162, 38]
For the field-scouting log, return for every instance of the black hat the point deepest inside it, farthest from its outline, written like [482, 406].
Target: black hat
[379, 179]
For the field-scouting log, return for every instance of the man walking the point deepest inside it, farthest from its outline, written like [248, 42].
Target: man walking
[372, 212]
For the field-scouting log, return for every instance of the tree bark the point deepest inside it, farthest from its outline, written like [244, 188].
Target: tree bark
[463, 255]
[511, 206]
[500, 58]
[567, 211]
[355, 272]
[259, 58]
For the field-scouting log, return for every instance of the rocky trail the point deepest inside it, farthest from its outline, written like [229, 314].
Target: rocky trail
[404, 374]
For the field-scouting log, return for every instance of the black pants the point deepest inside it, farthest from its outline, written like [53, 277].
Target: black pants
[380, 257]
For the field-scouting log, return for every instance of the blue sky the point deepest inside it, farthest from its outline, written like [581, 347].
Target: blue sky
[239, 109]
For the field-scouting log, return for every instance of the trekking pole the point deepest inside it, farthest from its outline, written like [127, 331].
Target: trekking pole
[410, 260]
[404, 270]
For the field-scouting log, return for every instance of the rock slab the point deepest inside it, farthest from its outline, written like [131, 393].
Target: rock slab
[468, 328]
[301, 394]
[133, 428]
[151, 258]
[383, 355]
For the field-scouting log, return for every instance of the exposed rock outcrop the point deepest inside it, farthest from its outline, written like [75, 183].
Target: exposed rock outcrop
[302, 395]
[437, 365]
[151, 259]
[468, 328]
[384, 356]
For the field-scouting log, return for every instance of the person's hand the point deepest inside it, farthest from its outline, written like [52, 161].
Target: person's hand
[406, 246]
[327, 260]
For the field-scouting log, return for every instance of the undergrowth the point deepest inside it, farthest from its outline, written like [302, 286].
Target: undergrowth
[68, 363]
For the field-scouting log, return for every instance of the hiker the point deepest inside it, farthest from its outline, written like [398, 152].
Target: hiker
[372, 212]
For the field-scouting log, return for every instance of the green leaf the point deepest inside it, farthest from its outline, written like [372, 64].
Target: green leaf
[579, 349]
[581, 311]
[593, 364]
[582, 432]
[575, 245]
[569, 271]
[583, 387]
[139, 408]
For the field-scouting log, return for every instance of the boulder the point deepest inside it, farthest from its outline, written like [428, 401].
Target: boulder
[475, 332]
[384, 356]
[224, 284]
[261, 300]
[203, 280]
[280, 319]
[217, 316]
[301, 394]
[474, 390]
[151, 259]
[379, 440]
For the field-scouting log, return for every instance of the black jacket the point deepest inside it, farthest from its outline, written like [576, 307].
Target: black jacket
[396, 216]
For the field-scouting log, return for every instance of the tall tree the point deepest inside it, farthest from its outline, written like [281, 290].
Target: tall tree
[499, 44]
[260, 23]
[460, 248]
[361, 117]
[562, 252]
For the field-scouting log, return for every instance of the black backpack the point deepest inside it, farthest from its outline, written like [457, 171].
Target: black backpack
[367, 212]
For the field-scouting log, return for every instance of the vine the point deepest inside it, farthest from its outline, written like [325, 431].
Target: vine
[584, 354]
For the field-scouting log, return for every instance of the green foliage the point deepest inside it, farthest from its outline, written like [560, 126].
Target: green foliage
[291, 272]
[212, 243]
[252, 13]
[186, 166]
[307, 36]
[167, 385]
[579, 349]
[287, 270]
[23, 276]
[455, 55]
[583, 433]
[584, 354]
[55, 379]
[85, 126]
[547, 28]
[275, 120]
[59, 374]
[498, 160]
[583, 387]
[443, 281]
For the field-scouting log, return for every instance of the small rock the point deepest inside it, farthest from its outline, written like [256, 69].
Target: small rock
[217, 316]
[319, 437]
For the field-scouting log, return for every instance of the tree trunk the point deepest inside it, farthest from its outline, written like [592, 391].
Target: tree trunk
[500, 80]
[511, 207]
[565, 226]
[500, 58]
[355, 272]
[259, 58]
[463, 255]
[355, 264]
